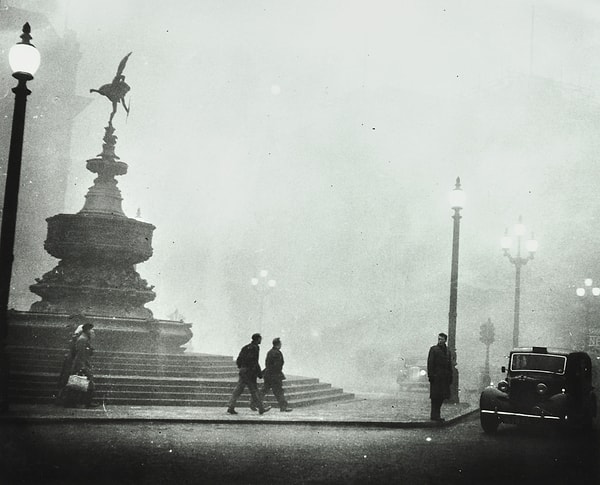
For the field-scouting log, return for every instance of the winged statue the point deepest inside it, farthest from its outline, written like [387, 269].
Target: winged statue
[116, 90]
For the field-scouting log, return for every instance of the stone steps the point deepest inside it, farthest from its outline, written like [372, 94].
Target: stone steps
[144, 379]
[222, 373]
[35, 353]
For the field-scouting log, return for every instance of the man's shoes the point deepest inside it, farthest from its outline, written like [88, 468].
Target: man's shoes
[286, 410]
[264, 410]
[92, 405]
[231, 411]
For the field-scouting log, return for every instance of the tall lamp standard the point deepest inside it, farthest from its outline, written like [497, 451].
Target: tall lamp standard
[263, 286]
[24, 60]
[457, 202]
[586, 294]
[531, 246]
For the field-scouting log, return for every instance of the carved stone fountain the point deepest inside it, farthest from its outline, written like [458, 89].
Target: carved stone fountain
[96, 278]
[98, 248]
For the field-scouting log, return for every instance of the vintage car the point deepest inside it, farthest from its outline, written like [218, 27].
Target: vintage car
[413, 376]
[542, 385]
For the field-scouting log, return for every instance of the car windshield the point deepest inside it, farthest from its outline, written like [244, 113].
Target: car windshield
[538, 362]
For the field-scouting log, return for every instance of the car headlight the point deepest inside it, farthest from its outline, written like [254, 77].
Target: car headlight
[503, 386]
[541, 388]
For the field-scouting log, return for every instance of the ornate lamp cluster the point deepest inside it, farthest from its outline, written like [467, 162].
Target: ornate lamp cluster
[518, 261]
[262, 285]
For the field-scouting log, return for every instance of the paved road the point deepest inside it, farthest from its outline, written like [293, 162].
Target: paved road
[202, 453]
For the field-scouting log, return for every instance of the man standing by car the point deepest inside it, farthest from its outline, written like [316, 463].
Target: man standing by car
[247, 362]
[274, 376]
[439, 372]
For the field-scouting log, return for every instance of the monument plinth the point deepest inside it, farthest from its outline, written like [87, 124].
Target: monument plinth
[99, 248]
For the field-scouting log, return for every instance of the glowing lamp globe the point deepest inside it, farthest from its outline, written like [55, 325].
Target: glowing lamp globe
[457, 197]
[24, 57]
[532, 245]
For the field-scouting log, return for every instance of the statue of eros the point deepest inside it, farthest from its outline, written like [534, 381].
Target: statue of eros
[116, 90]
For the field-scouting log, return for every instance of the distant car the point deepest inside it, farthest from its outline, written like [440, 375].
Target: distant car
[542, 385]
[413, 376]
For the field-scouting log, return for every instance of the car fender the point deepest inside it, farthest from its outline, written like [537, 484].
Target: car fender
[557, 405]
[494, 399]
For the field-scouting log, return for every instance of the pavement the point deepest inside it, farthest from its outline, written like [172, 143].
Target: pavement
[400, 410]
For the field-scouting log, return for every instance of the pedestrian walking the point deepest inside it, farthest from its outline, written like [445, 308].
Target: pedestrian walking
[439, 372]
[247, 362]
[67, 364]
[82, 365]
[273, 375]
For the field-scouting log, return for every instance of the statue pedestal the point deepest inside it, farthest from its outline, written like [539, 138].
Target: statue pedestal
[54, 330]
[96, 274]
[96, 279]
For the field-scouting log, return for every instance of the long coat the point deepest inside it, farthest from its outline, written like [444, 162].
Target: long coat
[439, 371]
[247, 361]
[274, 366]
[82, 358]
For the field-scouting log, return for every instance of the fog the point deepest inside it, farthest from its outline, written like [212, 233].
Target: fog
[319, 141]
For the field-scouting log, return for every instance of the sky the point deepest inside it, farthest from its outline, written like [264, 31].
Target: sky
[318, 140]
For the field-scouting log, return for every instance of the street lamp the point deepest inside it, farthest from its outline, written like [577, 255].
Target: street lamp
[587, 294]
[457, 202]
[24, 59]
[263, 286]
[531, 246]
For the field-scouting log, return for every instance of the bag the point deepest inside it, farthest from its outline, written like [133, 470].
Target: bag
[78, 383]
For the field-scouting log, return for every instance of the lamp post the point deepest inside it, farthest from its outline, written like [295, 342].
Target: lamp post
[518, 261]
[24, 59]
[487, 336]
[457, 202]
[263, 286]
[587, 294]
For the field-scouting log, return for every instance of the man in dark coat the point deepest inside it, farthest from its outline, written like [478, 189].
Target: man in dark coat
[274, 376]
[439, 371]
[250, 370]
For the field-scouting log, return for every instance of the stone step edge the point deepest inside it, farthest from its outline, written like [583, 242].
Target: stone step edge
[200, 403]
[156, 378]
[61, 351]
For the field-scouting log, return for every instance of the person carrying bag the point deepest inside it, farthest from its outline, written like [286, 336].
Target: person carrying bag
[80, 385]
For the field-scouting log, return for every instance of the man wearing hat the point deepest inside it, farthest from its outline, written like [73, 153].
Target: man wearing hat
[250, 370]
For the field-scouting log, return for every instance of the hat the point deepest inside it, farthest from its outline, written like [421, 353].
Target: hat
[87, 326]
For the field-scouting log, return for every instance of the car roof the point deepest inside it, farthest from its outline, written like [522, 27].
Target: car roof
[546, 350]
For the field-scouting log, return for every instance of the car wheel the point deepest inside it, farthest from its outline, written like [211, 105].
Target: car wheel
[489, 422]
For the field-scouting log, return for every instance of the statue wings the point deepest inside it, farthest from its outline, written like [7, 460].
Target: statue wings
[121, 68]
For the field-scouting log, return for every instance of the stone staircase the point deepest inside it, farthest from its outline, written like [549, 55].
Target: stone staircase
[145, 379]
